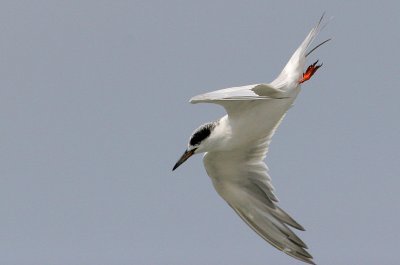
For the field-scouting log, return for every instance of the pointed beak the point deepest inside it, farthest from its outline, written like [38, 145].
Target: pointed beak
[183, 158]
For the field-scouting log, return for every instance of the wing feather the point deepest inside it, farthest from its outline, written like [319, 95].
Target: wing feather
[241, 178]
[235, 98]
[280, 88]
[250, 92]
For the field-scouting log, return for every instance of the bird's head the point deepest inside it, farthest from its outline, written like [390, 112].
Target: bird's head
[197, 142]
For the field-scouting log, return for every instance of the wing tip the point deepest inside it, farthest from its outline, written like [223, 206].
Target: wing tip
[302, 256]
[195, 99]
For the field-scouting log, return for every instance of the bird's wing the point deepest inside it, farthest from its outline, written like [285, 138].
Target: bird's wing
[232, 98]
[250, 92]
[282, 87]
[241, 178]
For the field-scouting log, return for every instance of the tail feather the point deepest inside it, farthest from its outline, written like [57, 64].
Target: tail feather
[293, 70]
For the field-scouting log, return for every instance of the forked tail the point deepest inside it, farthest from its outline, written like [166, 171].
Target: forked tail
[292, 74]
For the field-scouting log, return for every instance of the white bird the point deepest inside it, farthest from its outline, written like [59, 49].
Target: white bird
[235, 147]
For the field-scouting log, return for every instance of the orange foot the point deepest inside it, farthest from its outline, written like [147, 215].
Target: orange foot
[310, 72]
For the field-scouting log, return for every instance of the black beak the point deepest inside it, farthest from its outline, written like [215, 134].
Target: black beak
[183, 158]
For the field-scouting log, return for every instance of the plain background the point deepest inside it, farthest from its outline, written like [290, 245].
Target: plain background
[94, 113]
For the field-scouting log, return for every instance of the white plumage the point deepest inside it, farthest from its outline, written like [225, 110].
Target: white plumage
[235, 147]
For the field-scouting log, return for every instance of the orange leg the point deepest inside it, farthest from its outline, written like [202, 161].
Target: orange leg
[310, 72]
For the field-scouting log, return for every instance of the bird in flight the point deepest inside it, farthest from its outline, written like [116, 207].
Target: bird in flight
[235, 147]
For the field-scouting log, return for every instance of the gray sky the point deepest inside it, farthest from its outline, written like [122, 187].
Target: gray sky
[94, 113]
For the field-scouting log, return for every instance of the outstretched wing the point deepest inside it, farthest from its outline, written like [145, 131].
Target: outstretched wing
[241, 178]
[250, 92]
[232, 98]
[286, 85]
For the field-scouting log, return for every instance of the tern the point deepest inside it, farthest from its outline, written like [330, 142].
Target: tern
[235, 147]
